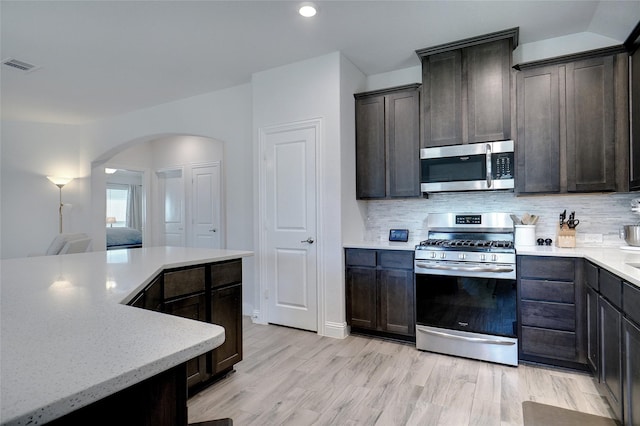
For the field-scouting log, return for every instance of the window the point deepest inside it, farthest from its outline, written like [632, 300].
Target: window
[117, 196]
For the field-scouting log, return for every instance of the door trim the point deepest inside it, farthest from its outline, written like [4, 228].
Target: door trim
[261, 315]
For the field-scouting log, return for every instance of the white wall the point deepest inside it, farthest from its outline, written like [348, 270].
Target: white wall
[302, 91]
[30, 151]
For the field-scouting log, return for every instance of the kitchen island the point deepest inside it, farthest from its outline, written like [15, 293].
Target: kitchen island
[68, 340]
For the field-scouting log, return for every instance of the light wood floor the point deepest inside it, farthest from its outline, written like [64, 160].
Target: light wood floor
[293, 377]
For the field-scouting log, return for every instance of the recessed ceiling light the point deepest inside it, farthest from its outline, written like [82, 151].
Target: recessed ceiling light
[307, 10]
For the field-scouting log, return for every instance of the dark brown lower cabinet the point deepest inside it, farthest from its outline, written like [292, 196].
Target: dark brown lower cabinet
[610, 354]
[210, 293]
[631, 378]
[379, 286]
[226, 311]
[192, 307]
[550, 311]
[593, 346]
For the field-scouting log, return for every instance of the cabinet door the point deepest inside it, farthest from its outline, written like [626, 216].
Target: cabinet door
[488, 70]
[192, 307]
[226, 311]
[590, 125]
[538, 118]
[370, 149]
[361, 297]
[634, 183]
[610, 354]
[593, 358]
[442, 99]
[396, 301]
[403, 139]
[631, 356]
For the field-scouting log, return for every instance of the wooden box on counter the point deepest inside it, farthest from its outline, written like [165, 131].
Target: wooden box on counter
[565, 237]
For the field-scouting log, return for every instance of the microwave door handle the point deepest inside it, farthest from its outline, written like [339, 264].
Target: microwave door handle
[489, 174]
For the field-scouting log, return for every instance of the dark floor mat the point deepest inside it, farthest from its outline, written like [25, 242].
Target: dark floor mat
[536, 414]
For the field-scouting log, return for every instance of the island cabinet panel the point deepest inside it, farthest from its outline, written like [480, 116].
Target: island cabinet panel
[226, 311]
[192, 307]
[160, 401]
[184, 281]
[210, 293]
[380, 297]
[387, 143]
[550, 311]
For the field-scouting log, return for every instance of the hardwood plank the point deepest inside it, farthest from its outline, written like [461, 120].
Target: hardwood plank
[294, 377]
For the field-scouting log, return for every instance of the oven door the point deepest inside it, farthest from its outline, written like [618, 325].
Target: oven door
[471, 304]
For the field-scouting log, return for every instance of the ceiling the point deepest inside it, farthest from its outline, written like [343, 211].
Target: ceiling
[99, 59]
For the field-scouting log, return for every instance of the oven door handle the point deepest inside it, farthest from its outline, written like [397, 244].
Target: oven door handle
[466, 268]
[468, 339]
[488, 162]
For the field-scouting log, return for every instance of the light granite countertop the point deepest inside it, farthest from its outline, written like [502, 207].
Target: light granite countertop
[616, 260]
[68, 339]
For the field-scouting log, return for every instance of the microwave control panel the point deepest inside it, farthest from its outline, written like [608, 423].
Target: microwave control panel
[502, 165]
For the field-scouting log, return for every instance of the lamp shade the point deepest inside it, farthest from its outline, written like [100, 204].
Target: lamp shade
[111, 219]
[59, 181]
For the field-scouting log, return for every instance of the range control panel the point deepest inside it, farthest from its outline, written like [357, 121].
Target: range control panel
[468, 219]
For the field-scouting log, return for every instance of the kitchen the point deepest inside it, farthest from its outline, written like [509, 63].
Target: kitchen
[231, 111]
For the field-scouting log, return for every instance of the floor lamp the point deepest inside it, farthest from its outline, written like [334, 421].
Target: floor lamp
[60, 182]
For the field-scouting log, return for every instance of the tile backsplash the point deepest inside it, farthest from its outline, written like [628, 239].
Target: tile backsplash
[600, 215]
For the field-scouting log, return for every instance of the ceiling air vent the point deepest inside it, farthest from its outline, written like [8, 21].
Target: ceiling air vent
[23, 66]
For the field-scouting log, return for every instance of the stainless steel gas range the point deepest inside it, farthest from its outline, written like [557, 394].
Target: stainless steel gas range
[466, 288]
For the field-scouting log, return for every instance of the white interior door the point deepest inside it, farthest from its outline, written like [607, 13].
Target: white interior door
[206, 231]
[171, 186]
[290, 207]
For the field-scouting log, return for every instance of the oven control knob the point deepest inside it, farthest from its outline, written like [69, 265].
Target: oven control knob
[494, 257]
[433, 254]
[442, 255]
[483, 257]
[462, 256]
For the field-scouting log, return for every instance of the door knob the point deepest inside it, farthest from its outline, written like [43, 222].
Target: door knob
[308, 240]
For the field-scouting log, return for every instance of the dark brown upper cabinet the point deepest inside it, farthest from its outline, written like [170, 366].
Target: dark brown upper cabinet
[466, 90]
[632, 44]
[387, 143]
[572, 124]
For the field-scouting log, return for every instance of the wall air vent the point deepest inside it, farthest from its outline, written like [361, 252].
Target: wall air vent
[23, 66]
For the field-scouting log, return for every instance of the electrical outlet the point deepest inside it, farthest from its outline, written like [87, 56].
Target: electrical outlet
[588, 238]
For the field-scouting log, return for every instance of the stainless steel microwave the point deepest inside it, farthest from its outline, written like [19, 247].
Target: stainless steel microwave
[470, 167]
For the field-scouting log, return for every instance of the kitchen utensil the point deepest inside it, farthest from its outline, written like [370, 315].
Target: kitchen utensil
[534, 219]
[526, 219]
[631, 234]
[563, 216]
[516, 220]
[572, 223]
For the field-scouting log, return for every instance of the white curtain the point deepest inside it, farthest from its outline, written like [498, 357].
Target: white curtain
[134, 207]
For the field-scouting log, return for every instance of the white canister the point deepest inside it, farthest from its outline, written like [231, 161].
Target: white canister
[525, 235]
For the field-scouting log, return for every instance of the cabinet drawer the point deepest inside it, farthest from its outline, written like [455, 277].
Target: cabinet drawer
[360, 257]
[396, 259]
[559, 316]
[541, 267]
[631, 301]
[548, 291]
[611, 288]
[226, 273]
[184, 281]
[591, 275]
[549, 343]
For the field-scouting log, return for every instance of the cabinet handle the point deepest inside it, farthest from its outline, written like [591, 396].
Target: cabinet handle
[488, 165]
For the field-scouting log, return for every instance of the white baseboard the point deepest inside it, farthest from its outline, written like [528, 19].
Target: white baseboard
[336, 330]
